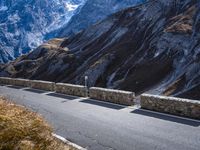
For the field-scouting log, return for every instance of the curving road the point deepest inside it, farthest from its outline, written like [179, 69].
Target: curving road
[97, 125]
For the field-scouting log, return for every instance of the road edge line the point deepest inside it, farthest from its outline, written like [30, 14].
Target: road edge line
[68, 142]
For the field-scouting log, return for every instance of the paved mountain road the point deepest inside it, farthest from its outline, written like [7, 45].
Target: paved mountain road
[97, 125]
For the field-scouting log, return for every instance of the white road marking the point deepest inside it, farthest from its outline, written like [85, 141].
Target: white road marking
[68, 142]
[48, 92]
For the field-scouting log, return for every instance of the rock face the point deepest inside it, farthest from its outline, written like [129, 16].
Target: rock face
[154, 47]
[93, 11]
[24, 24]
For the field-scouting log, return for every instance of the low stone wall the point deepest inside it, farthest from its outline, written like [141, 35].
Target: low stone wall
[42, 85]
[21, 82]
[171, 105]
[70, 89]
[109, 95]
[113, 96]
[15, 81]
[5, 80]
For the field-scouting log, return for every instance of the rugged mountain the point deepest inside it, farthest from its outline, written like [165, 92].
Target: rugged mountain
[154, 47]
[25, 23]
[93, 11]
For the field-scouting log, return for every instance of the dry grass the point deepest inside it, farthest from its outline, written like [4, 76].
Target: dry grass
[21, 129]
[56, 41]
[183, 22]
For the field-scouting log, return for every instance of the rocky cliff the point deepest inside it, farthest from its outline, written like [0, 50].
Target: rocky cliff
[154, 47]
[93, 11]
[25, 24]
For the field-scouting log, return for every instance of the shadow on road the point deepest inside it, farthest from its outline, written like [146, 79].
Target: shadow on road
[166, 117]
[68, 97]
[15, 87]
[35, 91]
[102, 104]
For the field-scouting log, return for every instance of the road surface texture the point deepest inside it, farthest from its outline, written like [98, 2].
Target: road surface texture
[97, 125]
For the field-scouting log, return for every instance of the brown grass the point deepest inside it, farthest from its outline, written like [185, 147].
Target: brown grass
[183, 22]
[56, 41]
[21, 129]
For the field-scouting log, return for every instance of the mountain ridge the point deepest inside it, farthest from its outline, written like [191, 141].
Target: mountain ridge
[93, 12]
[152, 48]
[24, 24]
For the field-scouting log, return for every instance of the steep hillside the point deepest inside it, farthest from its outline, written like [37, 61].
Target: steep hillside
[152, 48]
[24, 24]
[93, 11]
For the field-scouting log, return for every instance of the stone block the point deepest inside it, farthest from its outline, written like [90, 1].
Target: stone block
[171, 105]
[113, 96]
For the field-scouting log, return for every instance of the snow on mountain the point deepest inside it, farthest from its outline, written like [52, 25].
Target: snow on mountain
[25, 24]
[92, 12]
[71, 7]
[3, 8]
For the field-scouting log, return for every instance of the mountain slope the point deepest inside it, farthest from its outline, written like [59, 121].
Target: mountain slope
[93, 11]
[152, 48]
[24, 24]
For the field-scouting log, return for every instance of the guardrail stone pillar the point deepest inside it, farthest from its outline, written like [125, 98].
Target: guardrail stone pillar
[171, 105]
[113, 96]
[42, 85]
[70, 89]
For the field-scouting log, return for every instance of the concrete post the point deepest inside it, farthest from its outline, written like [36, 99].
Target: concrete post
[86, 86]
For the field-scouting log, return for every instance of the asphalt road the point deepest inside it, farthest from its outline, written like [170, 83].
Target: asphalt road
[97, 125]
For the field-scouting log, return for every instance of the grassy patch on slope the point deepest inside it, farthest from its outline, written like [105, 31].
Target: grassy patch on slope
[21, 129]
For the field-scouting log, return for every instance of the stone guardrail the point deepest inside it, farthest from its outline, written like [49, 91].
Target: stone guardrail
[42, 85]
[109, 95]
[113, 96]
[171, 105]
[21, 82]
[5, 80]
[70, 89]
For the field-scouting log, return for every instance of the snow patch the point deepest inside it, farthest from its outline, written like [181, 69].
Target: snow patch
[34, 39]
[71, 7]
[14, 18]
[3, 8]
[156, 54]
